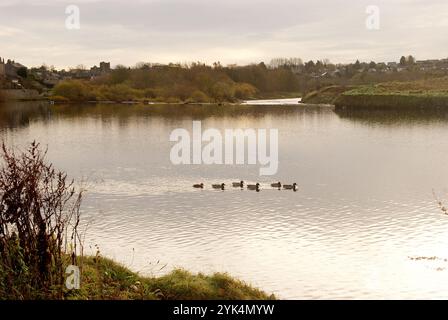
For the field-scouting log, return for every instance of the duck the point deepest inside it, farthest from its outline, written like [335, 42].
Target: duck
[218, 186]
[290, 186]
[254, 187]
[276, 185]
[238, 184]
[198, 186]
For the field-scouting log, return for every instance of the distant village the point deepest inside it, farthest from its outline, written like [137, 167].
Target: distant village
[14, 75]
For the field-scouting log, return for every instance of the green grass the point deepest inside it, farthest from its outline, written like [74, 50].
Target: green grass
[374, 90]
[429, 93]
[104, 279]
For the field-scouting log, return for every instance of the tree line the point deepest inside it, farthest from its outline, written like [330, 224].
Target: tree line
[199, 82]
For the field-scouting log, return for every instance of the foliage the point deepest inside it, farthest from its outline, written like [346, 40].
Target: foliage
[198, 82]
[22, 72]
[194, 83]
[74, 90]
[39, 217]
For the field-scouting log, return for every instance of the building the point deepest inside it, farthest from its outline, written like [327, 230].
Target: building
[104, 68]
[2, 68]
[10, 68]
[427, 64]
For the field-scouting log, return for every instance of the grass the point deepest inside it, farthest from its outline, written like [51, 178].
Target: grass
[428, 93]
[104, 279]
[326, 95]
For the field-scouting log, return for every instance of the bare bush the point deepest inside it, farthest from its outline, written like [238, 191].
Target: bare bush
[39, 218]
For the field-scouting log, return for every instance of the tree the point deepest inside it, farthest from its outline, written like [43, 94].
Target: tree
[403, 61]
[245, 91]
[309, 66]
[119, 75]
[222, 91]
[410, 60]
[22, 72]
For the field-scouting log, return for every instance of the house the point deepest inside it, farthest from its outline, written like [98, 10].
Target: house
[10, 68]
[104, 68]
[427, 64]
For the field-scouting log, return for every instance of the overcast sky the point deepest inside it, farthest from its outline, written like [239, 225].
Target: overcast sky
[231, 31]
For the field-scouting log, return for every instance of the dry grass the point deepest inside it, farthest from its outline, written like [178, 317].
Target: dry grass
[103, 278]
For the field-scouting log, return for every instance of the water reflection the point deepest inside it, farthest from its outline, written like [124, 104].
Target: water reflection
[20, 114]
[394, 116]
[364, 206]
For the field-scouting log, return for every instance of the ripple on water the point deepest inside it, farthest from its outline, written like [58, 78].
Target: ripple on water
[364, 206]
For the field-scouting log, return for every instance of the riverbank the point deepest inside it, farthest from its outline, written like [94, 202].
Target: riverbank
[350, 101]
[252, 102]
[104, 279]
[20, 95]
[428, 93]
[326, 95]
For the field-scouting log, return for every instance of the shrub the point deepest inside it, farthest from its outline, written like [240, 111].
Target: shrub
[22, 72]
[199, 96]
[223, 91]
[150, 93]
[39, 217]
[59, 99]
[74, 90]
[245, 91]
[119, 92]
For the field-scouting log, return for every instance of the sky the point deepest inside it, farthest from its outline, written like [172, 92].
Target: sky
[127, 32]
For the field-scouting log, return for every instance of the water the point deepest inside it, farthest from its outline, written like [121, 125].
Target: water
[365, 206]
[273, 102]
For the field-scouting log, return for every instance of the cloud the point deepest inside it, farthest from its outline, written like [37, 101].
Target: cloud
[229, 31]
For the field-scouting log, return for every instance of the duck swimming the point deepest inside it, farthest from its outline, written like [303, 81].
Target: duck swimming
[255, 187]
[218, 186]
[238, 184]
[276, 185]
[290, 186]
[198, 186]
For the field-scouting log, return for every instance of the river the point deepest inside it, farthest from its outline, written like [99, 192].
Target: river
[364, 210]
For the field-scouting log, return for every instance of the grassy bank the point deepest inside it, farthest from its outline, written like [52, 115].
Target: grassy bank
[391, 101]
[430, 93]
[327, 95]
[103, 278]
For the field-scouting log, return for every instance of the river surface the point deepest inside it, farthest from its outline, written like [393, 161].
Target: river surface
[362, 224]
